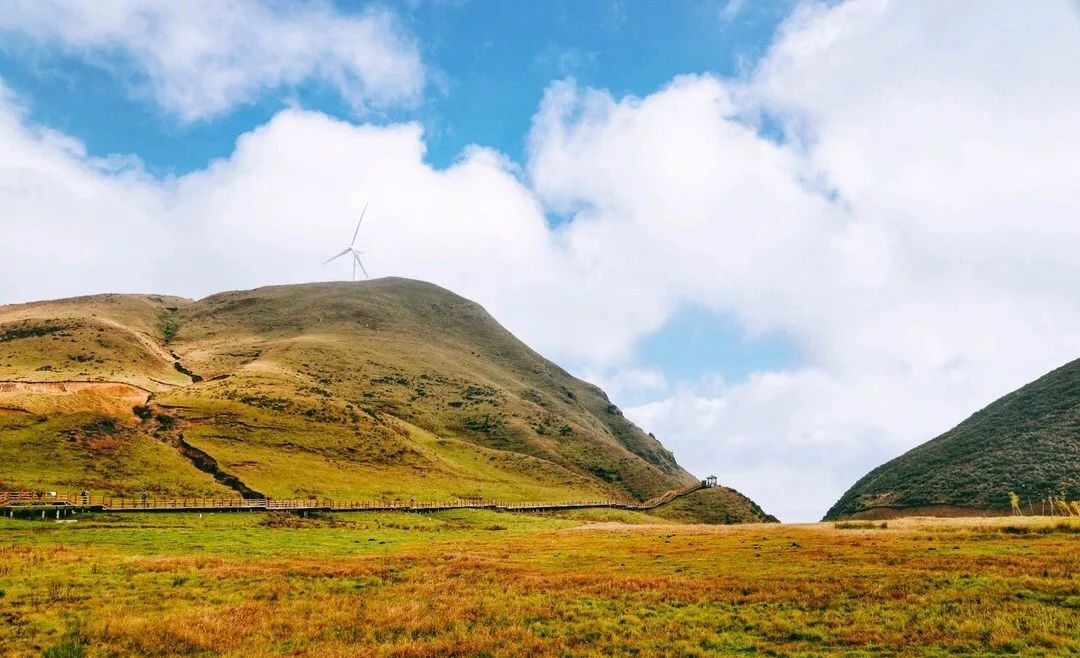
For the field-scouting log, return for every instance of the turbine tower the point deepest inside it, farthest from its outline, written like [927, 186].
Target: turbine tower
[351, 249]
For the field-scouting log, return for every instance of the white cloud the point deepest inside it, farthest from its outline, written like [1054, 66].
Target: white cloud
[731, 10]
[948, 278]
[915, 235]
[627, 384]
[202, 57]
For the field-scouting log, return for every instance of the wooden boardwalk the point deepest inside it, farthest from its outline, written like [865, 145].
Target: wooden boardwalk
[25, 500]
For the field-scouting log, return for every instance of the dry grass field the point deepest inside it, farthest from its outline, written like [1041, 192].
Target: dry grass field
[498, 584]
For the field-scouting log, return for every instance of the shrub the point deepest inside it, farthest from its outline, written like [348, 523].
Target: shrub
[1014, 501]
[167, 325]
[29, 332]
[860, 525]
[1062, 505]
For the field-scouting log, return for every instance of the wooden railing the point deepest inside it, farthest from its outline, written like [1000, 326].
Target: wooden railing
[17, 499]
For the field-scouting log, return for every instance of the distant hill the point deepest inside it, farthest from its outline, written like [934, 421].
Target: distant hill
[1027, 442]
[386, 388]
[716, 505]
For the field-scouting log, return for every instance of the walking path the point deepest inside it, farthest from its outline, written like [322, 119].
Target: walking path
[63, 503]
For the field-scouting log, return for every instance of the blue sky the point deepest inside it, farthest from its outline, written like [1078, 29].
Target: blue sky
[490, 64]
[793, 240]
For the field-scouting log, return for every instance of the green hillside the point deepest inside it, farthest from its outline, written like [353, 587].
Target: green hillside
[716, 505]
[1027, 442]
[387, 388]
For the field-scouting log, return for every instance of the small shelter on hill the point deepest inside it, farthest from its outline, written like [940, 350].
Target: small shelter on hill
[709, 481]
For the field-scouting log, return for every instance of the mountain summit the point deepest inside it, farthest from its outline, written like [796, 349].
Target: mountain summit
[384, 388]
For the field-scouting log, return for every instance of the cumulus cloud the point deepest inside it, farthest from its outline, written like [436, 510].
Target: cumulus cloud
[913, 232]
[945, 140]
[202, 58]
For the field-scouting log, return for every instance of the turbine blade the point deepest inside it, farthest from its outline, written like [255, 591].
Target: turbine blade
[357, 259]
[337, 256]
[357, 231]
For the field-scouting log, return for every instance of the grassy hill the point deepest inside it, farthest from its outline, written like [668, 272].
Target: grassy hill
[1027, 442]
[387, 388]
[716, 505]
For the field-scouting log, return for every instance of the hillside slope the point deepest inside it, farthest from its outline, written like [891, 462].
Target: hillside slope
[1027, 442]
[385, 388]
[715, 505]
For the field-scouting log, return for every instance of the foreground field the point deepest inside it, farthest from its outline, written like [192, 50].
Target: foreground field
[485, 583]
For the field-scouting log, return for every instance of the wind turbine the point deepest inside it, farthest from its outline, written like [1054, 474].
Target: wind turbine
[351, 249]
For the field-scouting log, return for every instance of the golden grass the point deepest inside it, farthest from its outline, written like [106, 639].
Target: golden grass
[456, 584]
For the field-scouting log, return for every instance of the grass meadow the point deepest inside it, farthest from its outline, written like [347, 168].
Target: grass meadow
[480, 583]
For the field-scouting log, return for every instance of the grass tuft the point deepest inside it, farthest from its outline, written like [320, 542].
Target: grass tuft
[65, 649]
